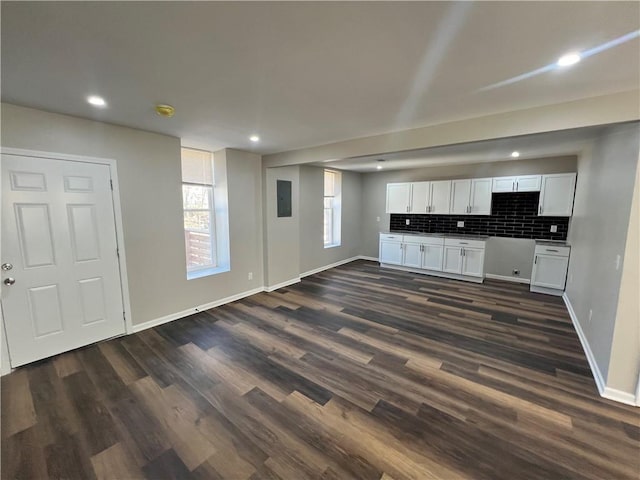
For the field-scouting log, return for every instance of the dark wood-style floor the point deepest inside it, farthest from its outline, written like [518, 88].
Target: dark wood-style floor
[356, 372]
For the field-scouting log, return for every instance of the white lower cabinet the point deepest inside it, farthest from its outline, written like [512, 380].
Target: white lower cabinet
[432, 256]
[461, 258]
[412, 255]
[549, 274]
[391, 249]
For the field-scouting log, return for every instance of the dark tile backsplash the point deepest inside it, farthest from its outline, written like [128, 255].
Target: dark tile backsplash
[512, 215]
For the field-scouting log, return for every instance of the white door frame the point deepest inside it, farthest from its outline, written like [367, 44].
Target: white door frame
[122, 258]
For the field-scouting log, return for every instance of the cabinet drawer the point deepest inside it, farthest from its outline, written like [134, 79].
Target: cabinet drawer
[463, 242]
[423, 240]
[552, 250]
[390, 236]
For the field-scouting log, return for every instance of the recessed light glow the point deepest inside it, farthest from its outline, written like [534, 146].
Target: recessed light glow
[569, 59]
[96, 101]
[379, 167]
[254, 138]
[515, 154]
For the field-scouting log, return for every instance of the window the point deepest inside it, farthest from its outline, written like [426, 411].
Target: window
[204, 202]
[332, 208]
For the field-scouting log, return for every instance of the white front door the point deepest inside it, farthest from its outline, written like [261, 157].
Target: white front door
[61, 279]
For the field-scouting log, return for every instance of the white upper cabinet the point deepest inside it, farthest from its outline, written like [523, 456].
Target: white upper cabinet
[420, 197]
[503, 184]
[528, 183]
[556, 195]
[460, 193]
[480, 199]
[522, 183]
[398, 197]
[440, 197]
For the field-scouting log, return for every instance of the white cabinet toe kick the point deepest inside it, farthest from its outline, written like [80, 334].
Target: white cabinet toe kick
[448, 257]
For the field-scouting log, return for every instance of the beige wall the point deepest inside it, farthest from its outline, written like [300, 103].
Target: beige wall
[312, 252]
[624, 366]
[617, 107]
[282, 240]
[598, 234]
[150, 191]
[503, 254]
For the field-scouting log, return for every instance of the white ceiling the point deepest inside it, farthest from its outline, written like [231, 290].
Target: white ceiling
[543, 145]
[306, 73]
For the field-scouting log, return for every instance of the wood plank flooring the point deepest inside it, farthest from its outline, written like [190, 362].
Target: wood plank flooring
[356, 372]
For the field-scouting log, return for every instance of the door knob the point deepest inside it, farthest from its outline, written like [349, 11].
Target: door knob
[9, 281]
[6, 267]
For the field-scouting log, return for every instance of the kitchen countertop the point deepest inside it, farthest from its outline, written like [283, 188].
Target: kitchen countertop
[447, 235]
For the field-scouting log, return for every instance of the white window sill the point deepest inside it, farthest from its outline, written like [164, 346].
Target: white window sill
[206, 272]
[332, 246]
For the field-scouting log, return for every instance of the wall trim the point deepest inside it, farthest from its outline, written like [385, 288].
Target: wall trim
[371, 259]
[595, 370]
[619, 396]
[286, 283]
[190, 311]
[331, 265]
[507, 278]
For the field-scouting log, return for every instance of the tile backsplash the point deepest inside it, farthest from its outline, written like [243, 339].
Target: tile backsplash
[513, 215]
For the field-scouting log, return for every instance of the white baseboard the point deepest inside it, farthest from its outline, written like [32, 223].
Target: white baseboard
[185, 313]
[619, 396]
[597, 376]
[371, 259]
[5, 369]
[327, 267]
[286, 283]
[507, 278]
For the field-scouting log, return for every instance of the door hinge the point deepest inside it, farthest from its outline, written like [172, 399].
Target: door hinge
[111, 183]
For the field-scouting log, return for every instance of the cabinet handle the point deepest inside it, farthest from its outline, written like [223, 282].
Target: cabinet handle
[407, 208]
[552, 250]
[535, 260]
[464, 243]
[517, 186]
[513, 186]
[540, 210]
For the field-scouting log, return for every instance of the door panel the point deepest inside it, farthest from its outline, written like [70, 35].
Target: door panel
[528, 183]
[473, 262]
[432, 257]
[390, 252]
[556, 195]
[452, 260]
[480, 196]
[440, 197]
[550, 271]
[503, 184]
[412, 256]
[460, 192]
[58, 232]
[419, 197]
[398, 197]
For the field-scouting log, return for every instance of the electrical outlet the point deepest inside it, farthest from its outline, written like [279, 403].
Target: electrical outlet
[250, 275]
[590, 315]
[377, 219]
[554, 228]
[461, 224]
[407, 221]
[516, 272]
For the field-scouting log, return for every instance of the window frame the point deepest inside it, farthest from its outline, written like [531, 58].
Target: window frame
[335, 209]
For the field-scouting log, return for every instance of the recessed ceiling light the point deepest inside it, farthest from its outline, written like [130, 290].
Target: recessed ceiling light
[569, 59]
[254, 138]
[515, 154]
[379, 167]
[96, 101]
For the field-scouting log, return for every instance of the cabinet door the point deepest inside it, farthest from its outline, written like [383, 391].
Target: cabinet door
[549, 271]
[503, 184]
[390, 252]
[480, 196]
[473, 262]
[528, 183]
[398, 197]
[440, 197]
[556, 195]
[460, 193]
[419, 197]
[412, 255]
[452, 260]
[432, 256]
